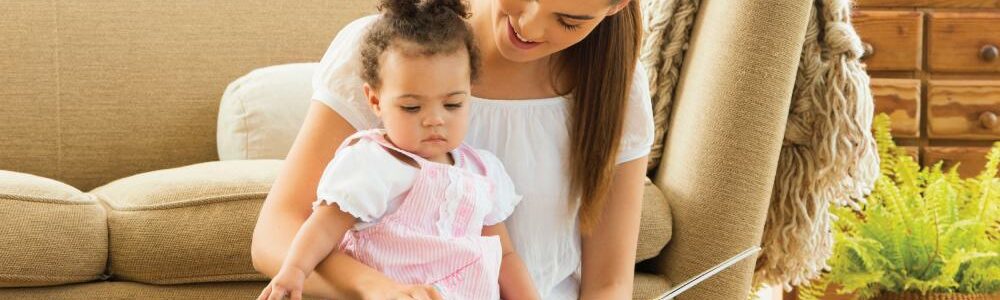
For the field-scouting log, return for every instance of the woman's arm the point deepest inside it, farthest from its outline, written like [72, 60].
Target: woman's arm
[609, 252]
[289, 203]
[515, 281]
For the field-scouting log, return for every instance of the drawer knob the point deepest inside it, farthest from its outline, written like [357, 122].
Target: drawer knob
[869, 50]
[988, 119]
[989, 52]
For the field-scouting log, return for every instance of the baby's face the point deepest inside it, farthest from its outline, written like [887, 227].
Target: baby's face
[424, 101]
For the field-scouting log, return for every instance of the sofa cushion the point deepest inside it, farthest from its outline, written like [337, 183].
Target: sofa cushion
[261, 112]
[655, 228]
[51, 232]
[188, 224]
[649, 286]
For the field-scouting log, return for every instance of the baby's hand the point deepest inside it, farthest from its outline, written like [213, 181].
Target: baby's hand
[288, 283]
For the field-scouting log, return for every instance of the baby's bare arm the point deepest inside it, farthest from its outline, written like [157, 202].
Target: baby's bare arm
[320, 235]
[515, 281]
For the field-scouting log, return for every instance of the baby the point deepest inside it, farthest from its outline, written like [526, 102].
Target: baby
[411, 200]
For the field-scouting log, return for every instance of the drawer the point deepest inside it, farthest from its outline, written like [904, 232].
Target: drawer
[900, 99]
[913, 151]
[892, 39]
[964, 41]
[965, 109]
[971, 159]
[930, 3]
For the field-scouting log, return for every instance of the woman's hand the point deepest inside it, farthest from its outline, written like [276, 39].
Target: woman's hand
[288, 282]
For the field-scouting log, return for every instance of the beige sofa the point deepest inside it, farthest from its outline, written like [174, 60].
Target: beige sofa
[113, 188]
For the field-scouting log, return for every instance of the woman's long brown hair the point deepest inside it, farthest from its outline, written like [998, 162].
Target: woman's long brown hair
[600, 67]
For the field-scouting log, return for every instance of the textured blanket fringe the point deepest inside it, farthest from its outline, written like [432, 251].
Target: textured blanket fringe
[828, 156]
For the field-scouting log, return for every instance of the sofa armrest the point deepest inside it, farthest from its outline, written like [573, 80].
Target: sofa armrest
[721, 152]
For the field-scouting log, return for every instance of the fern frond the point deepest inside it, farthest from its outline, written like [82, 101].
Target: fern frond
[992, 163]
[755, 292]
[883, 142]
[921, 229]
[815, 289]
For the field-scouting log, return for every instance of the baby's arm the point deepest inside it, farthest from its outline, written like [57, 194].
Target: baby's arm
[515, 281]
[319, 235]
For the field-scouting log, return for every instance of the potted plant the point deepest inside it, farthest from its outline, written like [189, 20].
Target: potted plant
[923, 233]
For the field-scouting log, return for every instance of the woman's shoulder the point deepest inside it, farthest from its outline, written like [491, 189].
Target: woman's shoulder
[639, 125]
[350, 36]
[337, 79]
[358, 25]
[639, 105]
[639, 91]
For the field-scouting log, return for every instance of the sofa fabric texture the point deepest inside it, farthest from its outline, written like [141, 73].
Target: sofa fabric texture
[51, 232]
[727, 124]
[649, 286]
[94, 91]
[199, 217]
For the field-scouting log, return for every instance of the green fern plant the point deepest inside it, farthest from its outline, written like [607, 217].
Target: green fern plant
[921, 230]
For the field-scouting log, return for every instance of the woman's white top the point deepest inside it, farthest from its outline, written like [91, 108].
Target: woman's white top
[530, 137]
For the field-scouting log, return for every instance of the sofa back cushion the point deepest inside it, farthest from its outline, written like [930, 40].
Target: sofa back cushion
[262, 111]
[99, 90]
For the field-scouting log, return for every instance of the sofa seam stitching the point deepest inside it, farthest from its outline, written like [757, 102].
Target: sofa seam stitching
[19, 197]
[75, 277]
[106, 275]
[190, 203]
[168, 280]
[59, 130]
[246, 128]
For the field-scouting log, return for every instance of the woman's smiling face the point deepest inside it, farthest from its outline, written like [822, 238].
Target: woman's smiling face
[527, 30]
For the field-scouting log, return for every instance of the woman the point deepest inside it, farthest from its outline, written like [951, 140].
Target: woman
[573, 128]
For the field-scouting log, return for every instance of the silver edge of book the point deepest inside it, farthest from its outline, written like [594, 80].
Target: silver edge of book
[684, 286]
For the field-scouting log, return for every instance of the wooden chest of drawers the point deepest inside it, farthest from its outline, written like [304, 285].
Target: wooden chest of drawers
[935, 70]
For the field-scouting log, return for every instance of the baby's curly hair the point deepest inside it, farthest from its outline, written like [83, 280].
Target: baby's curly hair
[433, 26]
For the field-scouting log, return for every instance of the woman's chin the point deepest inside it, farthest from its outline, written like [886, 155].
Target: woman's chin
[513, 54]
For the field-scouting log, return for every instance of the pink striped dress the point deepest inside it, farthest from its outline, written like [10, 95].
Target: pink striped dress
[435, 235]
